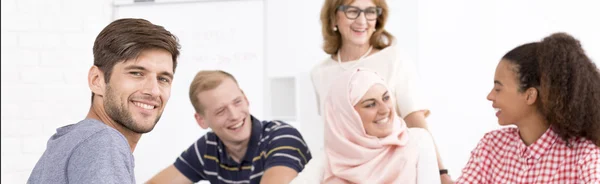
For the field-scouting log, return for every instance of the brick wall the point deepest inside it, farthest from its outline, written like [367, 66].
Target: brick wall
[46, 53]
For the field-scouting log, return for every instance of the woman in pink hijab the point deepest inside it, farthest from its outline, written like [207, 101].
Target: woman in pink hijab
[366, 141]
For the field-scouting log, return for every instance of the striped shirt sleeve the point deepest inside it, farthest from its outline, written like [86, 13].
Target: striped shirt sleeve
[286, 148]
[190, 162]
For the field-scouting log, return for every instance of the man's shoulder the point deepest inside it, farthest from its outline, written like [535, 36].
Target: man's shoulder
[98, 133]
[208, 139]
[281, 133]
[87, 131]
[87, 144]
[102, 141]
[85, 127]
[278, 127]
[206, 144]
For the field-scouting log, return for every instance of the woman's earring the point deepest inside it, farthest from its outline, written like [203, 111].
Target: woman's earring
[335, 28]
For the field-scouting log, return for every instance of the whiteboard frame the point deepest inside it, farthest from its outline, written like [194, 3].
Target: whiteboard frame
[117, 3]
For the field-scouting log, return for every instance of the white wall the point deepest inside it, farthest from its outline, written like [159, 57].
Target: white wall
[460, 43]
[47, 50]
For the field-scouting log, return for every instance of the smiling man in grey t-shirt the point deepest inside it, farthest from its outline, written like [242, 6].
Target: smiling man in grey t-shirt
[134, 64]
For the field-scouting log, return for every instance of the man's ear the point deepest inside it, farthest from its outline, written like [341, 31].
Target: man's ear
[532, 95]
[201, 121]
[96, 81]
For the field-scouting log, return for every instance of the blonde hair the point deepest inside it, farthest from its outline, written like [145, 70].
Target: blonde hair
[206, 80]
[333, 39]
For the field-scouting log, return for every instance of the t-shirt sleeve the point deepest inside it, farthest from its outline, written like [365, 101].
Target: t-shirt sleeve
[287, 148]
[407, 88]
[104, 157]
[190, 163]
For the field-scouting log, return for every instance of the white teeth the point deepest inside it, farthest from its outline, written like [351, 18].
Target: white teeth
[359, 30]
[497, 109]
[385, 120]
[142, 105]
[237, 125]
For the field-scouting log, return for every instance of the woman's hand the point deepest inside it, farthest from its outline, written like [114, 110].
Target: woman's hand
[446, 179]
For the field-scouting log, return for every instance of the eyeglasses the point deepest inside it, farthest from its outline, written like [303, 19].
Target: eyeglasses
[352, 12]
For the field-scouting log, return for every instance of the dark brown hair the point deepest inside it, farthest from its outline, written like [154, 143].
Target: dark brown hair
[125, 39]
[333, 39]
[204, 81]
[568, 84]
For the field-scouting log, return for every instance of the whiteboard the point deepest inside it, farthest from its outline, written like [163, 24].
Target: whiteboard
[226, 35]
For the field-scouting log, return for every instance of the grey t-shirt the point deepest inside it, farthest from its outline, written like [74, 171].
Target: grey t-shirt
[86, 152]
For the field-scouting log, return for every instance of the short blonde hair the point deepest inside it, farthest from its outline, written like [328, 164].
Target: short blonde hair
[333, 39]
[206, 80]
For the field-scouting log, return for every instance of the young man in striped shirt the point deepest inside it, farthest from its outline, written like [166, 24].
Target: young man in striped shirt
[240, 148]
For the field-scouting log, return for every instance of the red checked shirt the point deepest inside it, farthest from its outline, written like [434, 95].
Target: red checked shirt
[501, 157]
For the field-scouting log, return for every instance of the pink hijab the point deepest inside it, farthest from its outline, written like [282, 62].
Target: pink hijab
[353, 156]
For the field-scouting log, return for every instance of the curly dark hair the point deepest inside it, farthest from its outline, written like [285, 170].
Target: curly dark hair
[568, 84]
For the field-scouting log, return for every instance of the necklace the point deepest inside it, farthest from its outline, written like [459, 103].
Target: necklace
[339, 58]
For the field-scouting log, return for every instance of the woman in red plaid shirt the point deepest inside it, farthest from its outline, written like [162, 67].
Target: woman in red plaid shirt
[551, 91]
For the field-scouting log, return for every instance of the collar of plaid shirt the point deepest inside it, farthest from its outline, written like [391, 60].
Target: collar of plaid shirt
[539, 147]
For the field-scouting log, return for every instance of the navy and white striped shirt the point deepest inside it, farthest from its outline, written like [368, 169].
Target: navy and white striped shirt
[272, 143]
